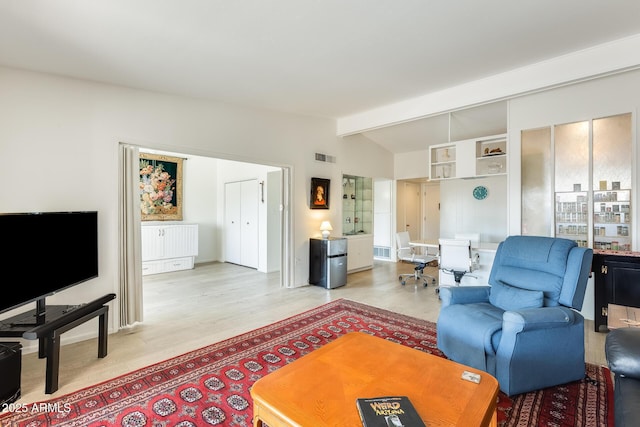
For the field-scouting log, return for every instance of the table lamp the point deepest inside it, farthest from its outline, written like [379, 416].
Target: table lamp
[325, 227]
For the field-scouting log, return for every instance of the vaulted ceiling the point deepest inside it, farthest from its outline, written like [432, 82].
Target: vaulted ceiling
[329, 58]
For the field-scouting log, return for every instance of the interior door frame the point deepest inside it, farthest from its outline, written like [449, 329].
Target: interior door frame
[286, 266]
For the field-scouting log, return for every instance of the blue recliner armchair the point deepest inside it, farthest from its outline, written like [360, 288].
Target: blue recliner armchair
[524, 328]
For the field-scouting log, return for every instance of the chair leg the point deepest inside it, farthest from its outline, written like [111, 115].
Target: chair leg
[428, 279]
[417, 275]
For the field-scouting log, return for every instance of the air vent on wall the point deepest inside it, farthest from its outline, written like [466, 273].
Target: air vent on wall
[325, 158]
[382, 252]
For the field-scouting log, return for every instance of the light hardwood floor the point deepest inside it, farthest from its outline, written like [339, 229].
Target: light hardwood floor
[190, 309]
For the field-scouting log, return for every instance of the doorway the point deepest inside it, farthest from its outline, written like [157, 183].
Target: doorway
[130, 243]
[418, 209]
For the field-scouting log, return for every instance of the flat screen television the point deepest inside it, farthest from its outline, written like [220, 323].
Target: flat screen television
[42, 253]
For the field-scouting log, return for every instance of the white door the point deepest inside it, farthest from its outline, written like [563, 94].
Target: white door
[412, 210]
[249, 223]
[431, 203]
[232, 241]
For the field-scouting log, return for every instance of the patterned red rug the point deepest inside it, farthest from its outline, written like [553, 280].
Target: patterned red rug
[210, 386]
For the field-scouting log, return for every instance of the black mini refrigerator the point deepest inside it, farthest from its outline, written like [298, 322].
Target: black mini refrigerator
[328, 262]
[10, 371]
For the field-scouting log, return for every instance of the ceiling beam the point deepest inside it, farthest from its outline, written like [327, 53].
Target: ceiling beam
[597, 61]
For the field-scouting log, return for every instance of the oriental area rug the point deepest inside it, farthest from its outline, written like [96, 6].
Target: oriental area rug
[211, 385]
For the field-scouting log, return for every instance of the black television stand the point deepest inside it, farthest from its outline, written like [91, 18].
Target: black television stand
[47, 322]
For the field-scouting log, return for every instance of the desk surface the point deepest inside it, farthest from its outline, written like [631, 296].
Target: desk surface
[320, 388]
[483, 246]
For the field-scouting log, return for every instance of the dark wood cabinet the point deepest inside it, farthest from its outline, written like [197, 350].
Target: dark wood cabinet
[616, 281]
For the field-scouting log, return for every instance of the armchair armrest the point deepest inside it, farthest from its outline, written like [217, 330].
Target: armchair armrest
[622, 349]
[531, 319]
[464, 294]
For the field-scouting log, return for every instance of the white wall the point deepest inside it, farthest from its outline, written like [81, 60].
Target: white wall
[383, 212]
[461, 213]
[199, 179]
[362, 157]
[59, 141]
[414, 164]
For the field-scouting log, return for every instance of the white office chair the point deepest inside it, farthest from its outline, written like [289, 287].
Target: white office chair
[456, 258]
[474, 238]
[408, 253]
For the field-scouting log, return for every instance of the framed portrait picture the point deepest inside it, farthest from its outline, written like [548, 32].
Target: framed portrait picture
[160, 187]
[319, 193]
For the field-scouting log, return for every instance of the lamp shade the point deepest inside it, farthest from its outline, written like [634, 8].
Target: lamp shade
[326, 227]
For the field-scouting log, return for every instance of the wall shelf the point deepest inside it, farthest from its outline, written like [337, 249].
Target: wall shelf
[470, 158]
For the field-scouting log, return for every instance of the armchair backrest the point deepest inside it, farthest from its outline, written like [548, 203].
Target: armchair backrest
[555, 266]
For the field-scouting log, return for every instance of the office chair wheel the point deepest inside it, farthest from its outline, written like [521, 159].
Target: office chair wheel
[402, 281]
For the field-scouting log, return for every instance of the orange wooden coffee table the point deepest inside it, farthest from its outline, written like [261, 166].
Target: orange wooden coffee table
[320, 388]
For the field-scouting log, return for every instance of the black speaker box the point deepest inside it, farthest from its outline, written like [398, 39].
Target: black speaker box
[10, 371]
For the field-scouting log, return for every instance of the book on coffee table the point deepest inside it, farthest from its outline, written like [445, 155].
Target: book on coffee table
[388, 411]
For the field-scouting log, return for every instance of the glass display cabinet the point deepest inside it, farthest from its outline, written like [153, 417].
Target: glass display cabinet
[612, 220]
[590, 183]
[572, 216]
[357, 205]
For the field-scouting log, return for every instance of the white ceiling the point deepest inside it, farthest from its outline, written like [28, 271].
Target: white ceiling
[327, 58]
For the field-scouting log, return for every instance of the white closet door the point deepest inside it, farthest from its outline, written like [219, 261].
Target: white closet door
[232, 230]
[241, 223]
[249, 223]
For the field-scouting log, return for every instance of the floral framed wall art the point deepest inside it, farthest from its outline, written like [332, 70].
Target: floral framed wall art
[160, 187]
[319, 193]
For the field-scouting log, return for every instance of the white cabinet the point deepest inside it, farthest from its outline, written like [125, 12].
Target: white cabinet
[359, 252]
[168, 247]
[469, 158]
